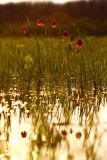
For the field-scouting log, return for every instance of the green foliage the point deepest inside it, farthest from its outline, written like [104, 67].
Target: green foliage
[28, 62]
[53, 62]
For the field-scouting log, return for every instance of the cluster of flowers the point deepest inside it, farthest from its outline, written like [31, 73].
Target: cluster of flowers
[41, 23]
[64, 133]
[78, 133]
[53, 25]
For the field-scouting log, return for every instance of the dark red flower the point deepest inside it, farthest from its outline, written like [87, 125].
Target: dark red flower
[64, 133]
[24, 30]
[79, 43]
[54, 24]
[71, 131]
[65, 34]
[23, 134]
[78, 135]
[40, 22]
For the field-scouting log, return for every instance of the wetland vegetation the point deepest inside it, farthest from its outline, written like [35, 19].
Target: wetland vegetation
[52, 88]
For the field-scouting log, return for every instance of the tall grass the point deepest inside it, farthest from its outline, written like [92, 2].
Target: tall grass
[51, 76]
[55, 63]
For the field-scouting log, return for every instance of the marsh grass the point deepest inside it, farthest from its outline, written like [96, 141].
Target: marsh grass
[54, 63]
[55, 81]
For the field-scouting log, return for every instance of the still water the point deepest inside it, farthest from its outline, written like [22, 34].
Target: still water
[73, 129]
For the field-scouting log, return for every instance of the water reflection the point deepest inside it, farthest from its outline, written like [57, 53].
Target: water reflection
[60, 124]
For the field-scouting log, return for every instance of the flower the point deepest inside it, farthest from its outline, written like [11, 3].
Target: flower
[78, 135]
[65, 34]
[23, 134]
[64, 133]
[79, 43]
[24, 30]
[54, 24]
[40, 22]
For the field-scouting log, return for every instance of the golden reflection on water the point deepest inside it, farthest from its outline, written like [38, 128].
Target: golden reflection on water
[12, 145]
[18, 147]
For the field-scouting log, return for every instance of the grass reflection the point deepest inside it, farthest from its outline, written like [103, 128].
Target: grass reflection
[49, 122]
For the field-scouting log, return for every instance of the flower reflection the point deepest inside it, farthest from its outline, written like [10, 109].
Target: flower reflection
[23, 134]
[64, 132]
[78, 135]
